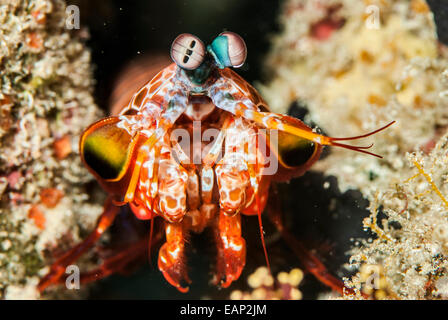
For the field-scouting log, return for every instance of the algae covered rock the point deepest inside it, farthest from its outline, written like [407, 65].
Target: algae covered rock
[46, 101]
[357, 65]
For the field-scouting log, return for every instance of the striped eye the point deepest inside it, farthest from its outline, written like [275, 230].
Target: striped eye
[187, 51]
[236, 48]
[229, 50]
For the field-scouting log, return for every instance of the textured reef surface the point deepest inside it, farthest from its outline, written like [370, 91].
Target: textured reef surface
[46, 101]
[357, 65]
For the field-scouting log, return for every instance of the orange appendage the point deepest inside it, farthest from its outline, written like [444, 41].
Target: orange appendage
[171, 257]
[58, 268]
[275, 121]
[231, 249]
[231, 260]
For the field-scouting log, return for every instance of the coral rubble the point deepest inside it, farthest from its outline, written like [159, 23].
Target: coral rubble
[358, 65]
[265, 287]
[46, 101]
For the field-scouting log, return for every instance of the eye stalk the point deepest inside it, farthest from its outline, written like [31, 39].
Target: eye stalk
[187, 51]
[229, 50]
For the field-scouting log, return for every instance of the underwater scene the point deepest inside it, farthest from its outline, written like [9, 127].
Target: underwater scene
[224, 150]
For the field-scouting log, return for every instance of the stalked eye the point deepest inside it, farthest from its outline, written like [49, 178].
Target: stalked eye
[229, 50]
[237, 49]
[187, 51]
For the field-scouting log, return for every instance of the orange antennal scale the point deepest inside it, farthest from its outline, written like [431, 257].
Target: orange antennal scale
[281, 122]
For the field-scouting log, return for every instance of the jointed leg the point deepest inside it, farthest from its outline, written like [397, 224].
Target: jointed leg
[172, 255]
[208, 209]
[311, 263]
[231, 249]
[233, 182]
[58, 268]
[163, 125]
[119, 262]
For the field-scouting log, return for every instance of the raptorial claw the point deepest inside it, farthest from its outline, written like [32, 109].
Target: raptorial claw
[171, 257]
[231, 261]
[172, 267]
[231, 249]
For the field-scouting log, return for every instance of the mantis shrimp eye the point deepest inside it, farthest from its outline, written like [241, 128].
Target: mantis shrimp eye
[229, 50]
[187, 51]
